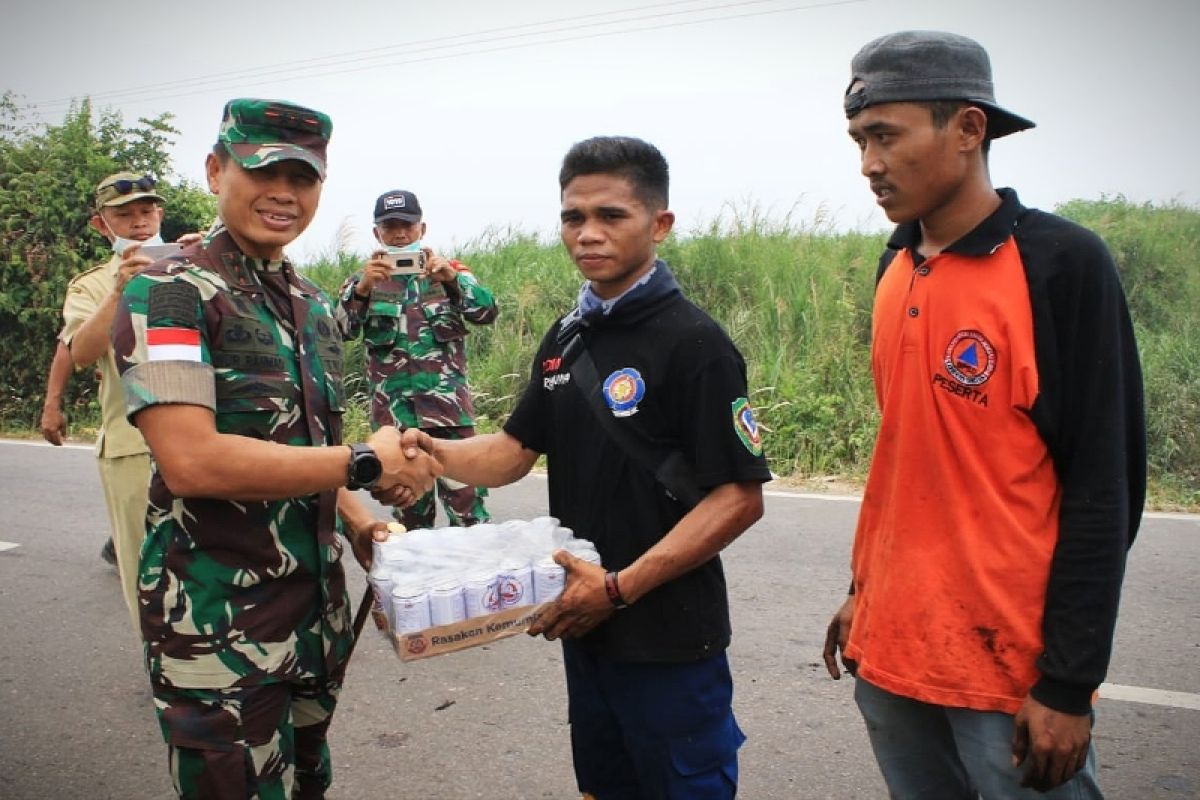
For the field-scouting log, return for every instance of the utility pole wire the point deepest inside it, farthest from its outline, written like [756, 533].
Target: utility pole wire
[325, 66]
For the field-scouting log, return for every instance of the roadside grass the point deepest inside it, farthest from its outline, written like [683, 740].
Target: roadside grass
[795, 296]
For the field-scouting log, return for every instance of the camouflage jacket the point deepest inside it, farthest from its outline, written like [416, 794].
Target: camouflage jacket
[414, 334]
[237, 593]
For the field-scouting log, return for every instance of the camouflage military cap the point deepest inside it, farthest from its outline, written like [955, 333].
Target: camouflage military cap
[260, 132]
[125, 187]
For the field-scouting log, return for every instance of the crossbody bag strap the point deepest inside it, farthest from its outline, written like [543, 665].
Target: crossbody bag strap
[672, 471]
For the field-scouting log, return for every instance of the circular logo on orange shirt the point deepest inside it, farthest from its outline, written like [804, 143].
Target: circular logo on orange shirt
[970, 358]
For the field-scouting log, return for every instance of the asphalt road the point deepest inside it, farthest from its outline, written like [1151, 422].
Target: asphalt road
[76, 718]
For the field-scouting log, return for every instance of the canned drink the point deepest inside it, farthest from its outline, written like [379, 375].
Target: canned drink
[548, 580]
[446, 603]
[515, 584]
[481, 594]
[380, 578]
[411, 610]
[587, 553]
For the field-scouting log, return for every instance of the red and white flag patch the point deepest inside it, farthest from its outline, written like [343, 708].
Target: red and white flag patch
[173, 344]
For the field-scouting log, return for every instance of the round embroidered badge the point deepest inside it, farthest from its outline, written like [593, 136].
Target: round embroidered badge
[970, 358]
[623, 390]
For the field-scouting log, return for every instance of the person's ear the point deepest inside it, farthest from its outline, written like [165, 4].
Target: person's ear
[96, 223]
[664, 221]
[972, 127]
[212, 170]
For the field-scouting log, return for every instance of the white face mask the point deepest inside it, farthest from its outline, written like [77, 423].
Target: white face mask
[120, 244]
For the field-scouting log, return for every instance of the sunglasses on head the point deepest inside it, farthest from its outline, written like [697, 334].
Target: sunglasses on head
[125, 186]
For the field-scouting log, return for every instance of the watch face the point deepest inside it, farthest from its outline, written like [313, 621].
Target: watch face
[367, 468]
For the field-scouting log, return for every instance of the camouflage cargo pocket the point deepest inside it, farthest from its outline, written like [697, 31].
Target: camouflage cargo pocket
[380, 329]
[247, 403]
[445, 321]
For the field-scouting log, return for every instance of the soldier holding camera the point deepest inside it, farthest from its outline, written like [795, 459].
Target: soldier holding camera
[409, 305]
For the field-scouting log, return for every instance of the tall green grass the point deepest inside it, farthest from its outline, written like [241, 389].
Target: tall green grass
[1157, 249]
[796, 298]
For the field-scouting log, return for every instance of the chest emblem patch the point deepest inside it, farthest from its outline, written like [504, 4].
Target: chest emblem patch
[746, 426]
[623, 390]
[970, 358]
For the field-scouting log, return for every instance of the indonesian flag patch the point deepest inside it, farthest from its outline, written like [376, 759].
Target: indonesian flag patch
[173, 344]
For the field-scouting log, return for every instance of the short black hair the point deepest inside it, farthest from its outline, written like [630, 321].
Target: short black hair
[637, 161]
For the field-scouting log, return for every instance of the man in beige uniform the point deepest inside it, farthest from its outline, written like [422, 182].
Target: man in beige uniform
[128, 214]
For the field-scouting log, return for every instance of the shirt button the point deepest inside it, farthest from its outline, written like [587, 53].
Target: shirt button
[912, 312]
[922, 270]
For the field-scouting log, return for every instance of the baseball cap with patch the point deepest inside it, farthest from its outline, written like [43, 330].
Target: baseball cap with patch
[916, 66]
[397, 204]
[260, 132]
[125, 187]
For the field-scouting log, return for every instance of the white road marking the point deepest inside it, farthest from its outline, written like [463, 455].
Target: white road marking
[1154, 697]
[836, 498]
[8, 546]
[35, 443]
[1169, 515]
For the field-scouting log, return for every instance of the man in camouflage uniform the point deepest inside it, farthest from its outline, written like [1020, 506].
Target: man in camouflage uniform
[414, 331]
[231, 364]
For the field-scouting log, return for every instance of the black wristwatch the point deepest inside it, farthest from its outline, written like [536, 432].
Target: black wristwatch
[364, 470]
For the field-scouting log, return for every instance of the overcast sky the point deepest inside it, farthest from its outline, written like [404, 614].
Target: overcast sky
[472, 103]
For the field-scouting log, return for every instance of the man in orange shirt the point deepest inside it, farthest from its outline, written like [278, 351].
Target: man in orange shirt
[1009, 473]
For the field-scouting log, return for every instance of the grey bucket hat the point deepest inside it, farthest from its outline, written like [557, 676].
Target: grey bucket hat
[915, 66]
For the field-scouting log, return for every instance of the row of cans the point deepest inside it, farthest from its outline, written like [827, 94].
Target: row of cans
[414, 608]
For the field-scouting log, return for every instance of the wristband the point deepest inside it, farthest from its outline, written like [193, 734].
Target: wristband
[614, 591]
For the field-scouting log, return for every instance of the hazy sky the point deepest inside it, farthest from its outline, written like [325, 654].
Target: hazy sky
[472, 103]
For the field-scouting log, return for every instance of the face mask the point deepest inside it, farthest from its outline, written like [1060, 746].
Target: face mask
[120, 244]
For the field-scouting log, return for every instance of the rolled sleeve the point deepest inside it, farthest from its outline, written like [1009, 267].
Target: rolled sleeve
[158, 382]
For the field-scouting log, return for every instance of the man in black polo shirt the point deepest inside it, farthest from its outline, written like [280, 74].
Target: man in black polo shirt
[644, 636]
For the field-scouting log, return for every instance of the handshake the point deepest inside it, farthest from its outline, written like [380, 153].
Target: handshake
[408, 468]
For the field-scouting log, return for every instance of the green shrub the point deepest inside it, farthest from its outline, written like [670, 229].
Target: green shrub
[48, 177]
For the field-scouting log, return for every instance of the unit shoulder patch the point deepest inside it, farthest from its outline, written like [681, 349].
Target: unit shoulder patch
[746, 427]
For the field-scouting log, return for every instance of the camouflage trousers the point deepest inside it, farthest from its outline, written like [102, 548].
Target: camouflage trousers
[463, 504]
[266, 742]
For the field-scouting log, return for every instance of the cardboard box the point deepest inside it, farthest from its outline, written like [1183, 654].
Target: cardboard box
[471, 632]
